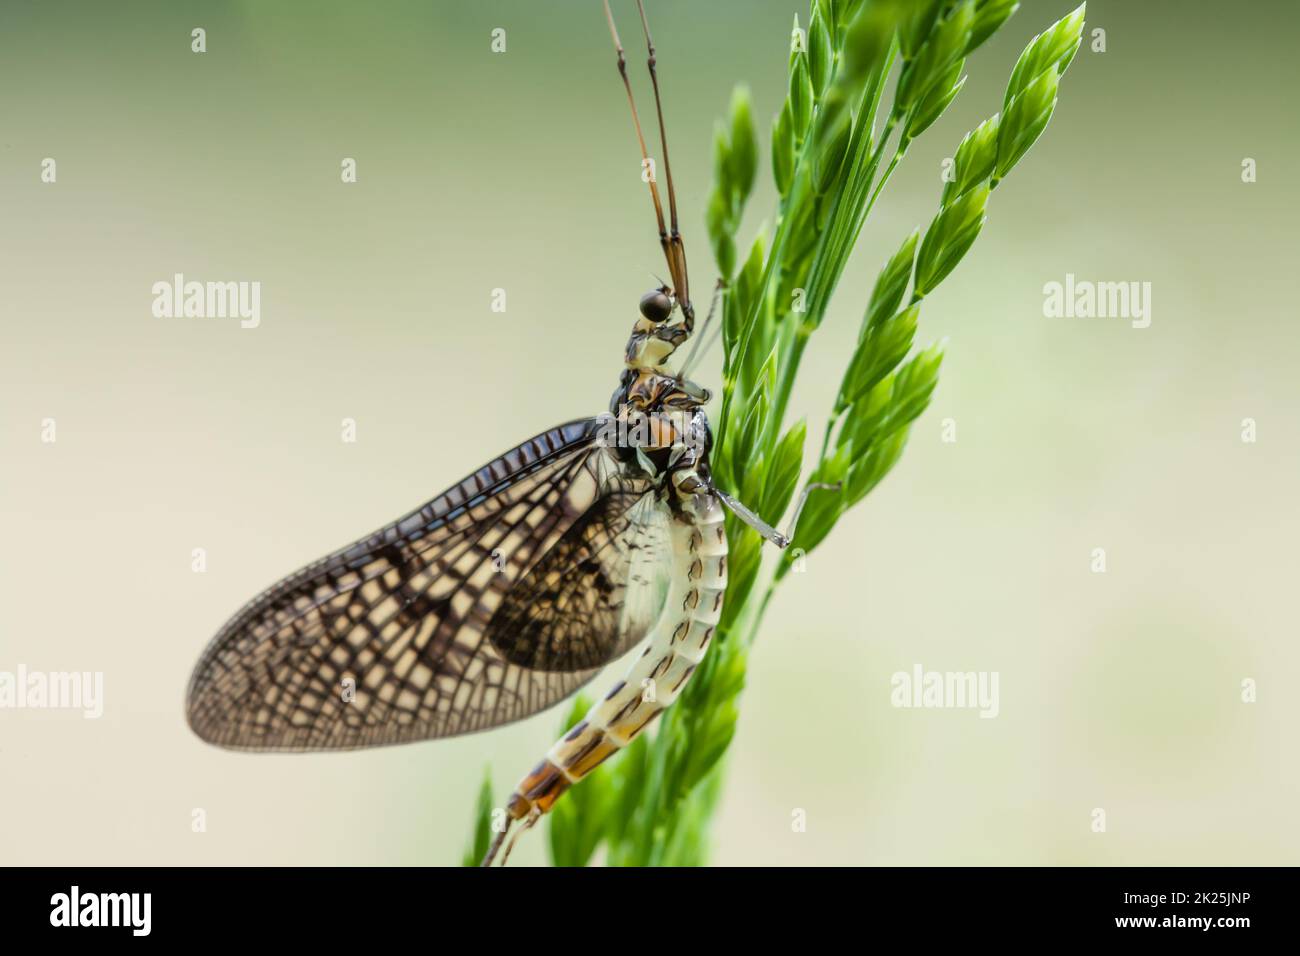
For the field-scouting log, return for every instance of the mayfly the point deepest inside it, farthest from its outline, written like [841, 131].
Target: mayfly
[512, 589]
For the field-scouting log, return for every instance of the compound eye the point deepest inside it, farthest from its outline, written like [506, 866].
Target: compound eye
[656, 306]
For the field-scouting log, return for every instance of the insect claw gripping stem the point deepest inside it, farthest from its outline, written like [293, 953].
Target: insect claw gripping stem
[803, 500]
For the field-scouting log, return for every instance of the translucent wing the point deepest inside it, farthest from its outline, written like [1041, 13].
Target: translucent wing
[387, 641]
[595, 594]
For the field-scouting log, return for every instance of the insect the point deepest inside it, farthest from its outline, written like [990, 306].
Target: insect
[512, 589]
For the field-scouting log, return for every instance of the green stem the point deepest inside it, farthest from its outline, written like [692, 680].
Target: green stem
[889, 171]
[789, 369]
[760, 301]
[798, 185]
[831, 421]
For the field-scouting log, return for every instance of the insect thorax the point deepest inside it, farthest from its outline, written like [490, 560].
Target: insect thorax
[656, 425]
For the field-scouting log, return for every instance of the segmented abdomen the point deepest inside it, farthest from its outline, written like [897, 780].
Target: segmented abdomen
[679, 641]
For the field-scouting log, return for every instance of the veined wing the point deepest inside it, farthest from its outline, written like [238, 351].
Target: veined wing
[393, 639]
[595, 594]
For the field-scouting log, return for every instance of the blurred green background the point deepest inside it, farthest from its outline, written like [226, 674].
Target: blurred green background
[519, 171]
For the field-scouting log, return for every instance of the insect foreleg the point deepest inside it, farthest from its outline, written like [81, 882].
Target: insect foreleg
[781, 540]
[803, 500]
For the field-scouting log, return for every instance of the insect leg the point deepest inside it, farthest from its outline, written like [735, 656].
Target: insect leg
[781, 540]
[753, 520]
[704, 343]
[803, 500]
